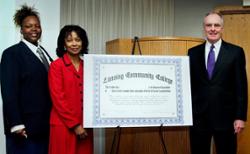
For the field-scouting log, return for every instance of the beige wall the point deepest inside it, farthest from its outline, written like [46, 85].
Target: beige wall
[189, 15]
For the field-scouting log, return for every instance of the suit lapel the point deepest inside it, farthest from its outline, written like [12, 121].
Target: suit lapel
[201, 61]
[220, 59]
[31, 56]
[70, 66]
[27, 50]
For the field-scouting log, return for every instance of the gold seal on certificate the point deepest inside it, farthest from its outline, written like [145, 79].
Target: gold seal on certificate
[136, 91]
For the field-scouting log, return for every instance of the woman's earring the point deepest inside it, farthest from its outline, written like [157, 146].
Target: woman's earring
[64, 48]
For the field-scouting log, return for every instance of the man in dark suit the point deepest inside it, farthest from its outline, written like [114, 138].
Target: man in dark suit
[24, 87]
[219, 91]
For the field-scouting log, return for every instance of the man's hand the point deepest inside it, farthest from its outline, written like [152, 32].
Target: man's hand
[239, 125]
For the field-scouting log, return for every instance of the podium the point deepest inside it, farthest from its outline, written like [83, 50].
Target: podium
[146, 140]
[153, 45]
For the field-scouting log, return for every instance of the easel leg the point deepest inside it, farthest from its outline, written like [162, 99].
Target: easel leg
[162, 139]
[117, 135]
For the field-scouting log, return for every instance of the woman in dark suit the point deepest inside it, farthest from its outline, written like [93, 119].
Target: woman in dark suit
[24, 86]
[219, 91]
[68, 135]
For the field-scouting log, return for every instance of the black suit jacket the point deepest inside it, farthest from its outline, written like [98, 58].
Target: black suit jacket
[25, 93]
[218, 102]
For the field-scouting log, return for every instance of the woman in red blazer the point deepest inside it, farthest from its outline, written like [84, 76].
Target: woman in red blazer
[67, 134]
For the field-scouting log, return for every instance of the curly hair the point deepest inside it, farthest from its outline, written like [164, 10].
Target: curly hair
[24, 12]
[65, 32]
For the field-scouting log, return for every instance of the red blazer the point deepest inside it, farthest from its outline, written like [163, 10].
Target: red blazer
[66, 89]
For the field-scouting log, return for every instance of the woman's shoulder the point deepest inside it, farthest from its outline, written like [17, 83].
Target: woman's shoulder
[14, 48]
[13, 51]
[57, 62]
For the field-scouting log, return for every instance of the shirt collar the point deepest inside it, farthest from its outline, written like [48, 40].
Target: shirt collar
[31, 46]
[217, 45]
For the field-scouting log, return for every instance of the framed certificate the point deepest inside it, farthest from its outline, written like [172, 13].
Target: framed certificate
[136, 91]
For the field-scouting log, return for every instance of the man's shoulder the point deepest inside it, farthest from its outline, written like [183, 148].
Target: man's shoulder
[230, 45]
[57, 63]
[197, 48]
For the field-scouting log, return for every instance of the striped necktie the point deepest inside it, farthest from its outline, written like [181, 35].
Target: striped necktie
[43, 58]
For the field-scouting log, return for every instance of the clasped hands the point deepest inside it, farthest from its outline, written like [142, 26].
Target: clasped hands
[21, 133]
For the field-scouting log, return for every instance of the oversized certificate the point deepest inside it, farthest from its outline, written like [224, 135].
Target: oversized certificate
[136, 91]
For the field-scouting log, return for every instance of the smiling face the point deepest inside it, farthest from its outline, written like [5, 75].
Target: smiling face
[213, 27]
[31, 29]
[73, 44]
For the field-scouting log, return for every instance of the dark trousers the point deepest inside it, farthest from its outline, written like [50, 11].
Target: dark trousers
[17, 145]
[225, 141]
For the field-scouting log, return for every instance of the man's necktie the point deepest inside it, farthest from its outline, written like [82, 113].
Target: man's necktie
[43, 58]
[210, 61]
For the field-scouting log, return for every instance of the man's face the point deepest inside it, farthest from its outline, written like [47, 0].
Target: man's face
[213, 27]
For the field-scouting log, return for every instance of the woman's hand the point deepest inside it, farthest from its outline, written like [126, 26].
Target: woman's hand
[80, 132]
[21, 133]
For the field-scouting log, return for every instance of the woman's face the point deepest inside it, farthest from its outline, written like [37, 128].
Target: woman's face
[73, 44]
[31, 29]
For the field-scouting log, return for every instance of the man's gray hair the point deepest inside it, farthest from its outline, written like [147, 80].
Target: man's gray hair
[217, 13]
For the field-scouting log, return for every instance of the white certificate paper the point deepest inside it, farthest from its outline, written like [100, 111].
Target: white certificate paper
[136, 91]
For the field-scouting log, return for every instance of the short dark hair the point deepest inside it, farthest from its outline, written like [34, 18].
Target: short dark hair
[24, 12]
[65, 32]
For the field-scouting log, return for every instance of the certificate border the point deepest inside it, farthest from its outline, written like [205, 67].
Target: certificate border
[98, 121]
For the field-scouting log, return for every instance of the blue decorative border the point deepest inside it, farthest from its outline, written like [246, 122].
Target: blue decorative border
[98, 121]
